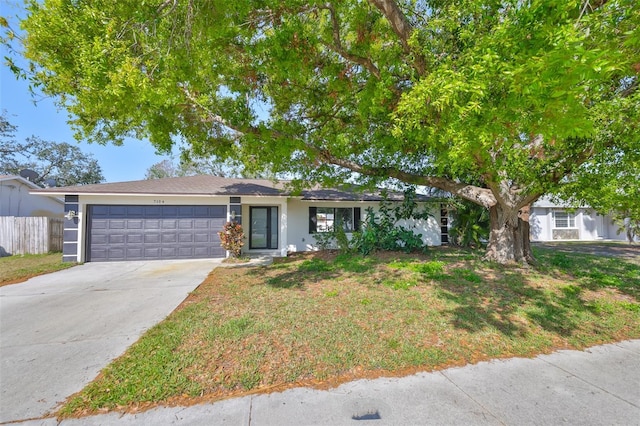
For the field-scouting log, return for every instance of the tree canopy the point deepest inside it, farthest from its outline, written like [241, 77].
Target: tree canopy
[170, 168]
[61, 162]
[187, 165]
[497, 102]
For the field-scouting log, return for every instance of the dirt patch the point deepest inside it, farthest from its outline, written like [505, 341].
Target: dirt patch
[18, 280]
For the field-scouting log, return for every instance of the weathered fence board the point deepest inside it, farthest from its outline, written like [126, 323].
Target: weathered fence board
[32, 235]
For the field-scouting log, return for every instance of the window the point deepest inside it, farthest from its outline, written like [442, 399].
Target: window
[562, 219]
[326, 219]
[263, 233]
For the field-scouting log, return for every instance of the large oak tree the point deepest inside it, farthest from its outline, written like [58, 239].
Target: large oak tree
[497, 102]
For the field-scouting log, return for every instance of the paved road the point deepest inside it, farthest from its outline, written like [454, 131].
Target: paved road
[600, 386]
[57, 331]
[623, 250]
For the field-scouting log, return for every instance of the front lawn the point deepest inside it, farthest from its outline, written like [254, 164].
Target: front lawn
[18, 268]
[319, 319]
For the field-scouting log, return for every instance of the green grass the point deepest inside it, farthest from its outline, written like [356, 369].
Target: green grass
[325, 318]
[18, 268]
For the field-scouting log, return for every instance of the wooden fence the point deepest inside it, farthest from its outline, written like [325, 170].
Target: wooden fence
[32, 235]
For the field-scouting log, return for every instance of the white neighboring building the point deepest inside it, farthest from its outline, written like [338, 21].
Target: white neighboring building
[555, 222]
[15, 199]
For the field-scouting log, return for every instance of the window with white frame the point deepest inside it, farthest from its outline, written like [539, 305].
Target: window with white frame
[327, 219]
[563, 219]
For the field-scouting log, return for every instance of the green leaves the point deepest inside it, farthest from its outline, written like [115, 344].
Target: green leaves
[506, 96]
[61, 162]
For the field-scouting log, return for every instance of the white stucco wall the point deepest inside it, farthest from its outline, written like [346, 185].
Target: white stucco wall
[15, 200]
[283, 223]
[293, 217]
[301, 240]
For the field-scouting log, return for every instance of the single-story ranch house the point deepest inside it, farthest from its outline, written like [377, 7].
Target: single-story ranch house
[551, 221]
[178, 218]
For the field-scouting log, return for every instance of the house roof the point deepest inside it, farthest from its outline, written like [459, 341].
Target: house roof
[218, 186]
[4, 178]
[549, 202]
[7, 179]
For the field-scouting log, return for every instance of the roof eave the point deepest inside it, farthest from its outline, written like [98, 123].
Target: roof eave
[151, 194]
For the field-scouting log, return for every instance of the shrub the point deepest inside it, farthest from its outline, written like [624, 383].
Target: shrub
[470, 224]
[342, 240]
[232, 238]
[325, 240]
[381, 232]
[333, 238]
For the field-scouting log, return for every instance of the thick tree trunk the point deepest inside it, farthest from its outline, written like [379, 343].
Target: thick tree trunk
[509, 236]
[525, 229]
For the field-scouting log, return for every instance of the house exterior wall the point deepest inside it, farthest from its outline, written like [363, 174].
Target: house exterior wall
[588, 225]
[76, 229]
[283, 223]
[298, 222]
[15, 200]
[293, 218]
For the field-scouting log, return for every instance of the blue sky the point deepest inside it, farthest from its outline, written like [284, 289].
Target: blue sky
[43, 119]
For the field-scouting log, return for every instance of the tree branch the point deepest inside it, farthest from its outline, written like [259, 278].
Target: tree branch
[590, 6]
[339, 48]
[481, 196]
[211, 116]
[403, 29]
[167, 3]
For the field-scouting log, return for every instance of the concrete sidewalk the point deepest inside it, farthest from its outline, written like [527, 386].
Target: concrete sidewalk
[599, 386]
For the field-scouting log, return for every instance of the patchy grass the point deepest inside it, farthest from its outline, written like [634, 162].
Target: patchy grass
[319, 319]
[19, 268]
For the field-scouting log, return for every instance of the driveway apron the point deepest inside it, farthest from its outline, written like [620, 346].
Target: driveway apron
[57, 331]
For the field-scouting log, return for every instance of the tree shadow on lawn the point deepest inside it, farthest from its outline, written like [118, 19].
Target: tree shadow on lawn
[593, 272]
[509, 306]
[559, 295]
[307, 268]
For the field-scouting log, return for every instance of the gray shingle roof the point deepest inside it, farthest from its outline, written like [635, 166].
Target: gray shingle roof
[214, 185]
[187, 185]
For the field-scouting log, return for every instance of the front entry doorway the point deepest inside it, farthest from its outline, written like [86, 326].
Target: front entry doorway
[263, 228]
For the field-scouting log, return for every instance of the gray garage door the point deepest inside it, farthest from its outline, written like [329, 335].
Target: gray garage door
[154, 232]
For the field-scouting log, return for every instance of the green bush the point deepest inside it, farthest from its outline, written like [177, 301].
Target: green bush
[333, 238]
[380, 232]
[325, 240]
[470, 224]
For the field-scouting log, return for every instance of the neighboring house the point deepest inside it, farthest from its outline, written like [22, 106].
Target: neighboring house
[552, 221]
[15, 199]
[177, 218]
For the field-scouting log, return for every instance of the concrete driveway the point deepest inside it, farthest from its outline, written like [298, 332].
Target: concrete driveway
[57, 331]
